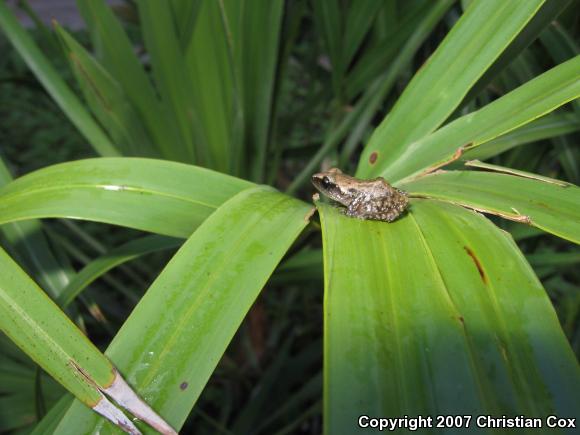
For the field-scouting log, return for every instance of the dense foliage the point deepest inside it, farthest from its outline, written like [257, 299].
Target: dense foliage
[232, 332]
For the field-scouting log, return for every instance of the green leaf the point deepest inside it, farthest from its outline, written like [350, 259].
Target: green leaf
[38, 327]
[561, 46]
[191, 312]
[256, 32]
[542, 19]
[119, 59]
[185, 13]
[20, 381]
[208, 64]
[358, 21]
[551, 206]
[549, 126]
[559, 259]
[54, 84]
[526, 103]
[474, 42]
[34, 322]
[151, 195]
[358, 118]
[49, 423]
[173, 81]
[327, 16]
[108, 100]
[378, 58]
[436, 314]
[122, 254]
[27, 243]
[411, 38]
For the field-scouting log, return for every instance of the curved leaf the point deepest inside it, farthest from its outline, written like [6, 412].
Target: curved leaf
[551, 206]
[475, 41]
[549, 126]
[357, 119]
[176, 335]
[119, 58]
[107, 99]
[546, 15]
[436, 314]
[151, 195]
[526, 103]
[38, 327]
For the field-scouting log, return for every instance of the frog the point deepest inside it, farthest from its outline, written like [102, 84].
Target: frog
[373, 199]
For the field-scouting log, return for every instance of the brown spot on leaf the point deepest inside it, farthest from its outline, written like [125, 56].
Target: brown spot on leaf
[183, 386]
[461, 319]
[477, 264]
[373, 157]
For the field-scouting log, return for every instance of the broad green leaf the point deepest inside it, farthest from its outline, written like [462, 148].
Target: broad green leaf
[436, 314]
[35, 323]
[472, 45]
[151, 195]
[526, 103]
[542, 19]
[108, 100]
[544, 128]
[38, 327]
[126, 252]
[174, 338]
[551, 206]
[54, 84]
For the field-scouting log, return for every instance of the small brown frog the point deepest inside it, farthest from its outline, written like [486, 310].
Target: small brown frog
[364, 199]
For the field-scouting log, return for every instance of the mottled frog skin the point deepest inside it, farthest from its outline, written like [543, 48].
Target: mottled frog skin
[364, 199]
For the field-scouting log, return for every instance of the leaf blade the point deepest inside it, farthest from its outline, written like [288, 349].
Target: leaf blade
[132, 192]
[468, 50]
[549, 206]
[205, 290]
[411, 324]
[537, 97]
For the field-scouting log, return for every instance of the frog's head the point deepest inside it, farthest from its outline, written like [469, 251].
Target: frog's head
[329, 183]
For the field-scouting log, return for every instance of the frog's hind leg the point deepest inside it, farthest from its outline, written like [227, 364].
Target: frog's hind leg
[355, 210]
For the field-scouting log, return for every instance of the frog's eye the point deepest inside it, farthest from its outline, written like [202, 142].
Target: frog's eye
[326, 182]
